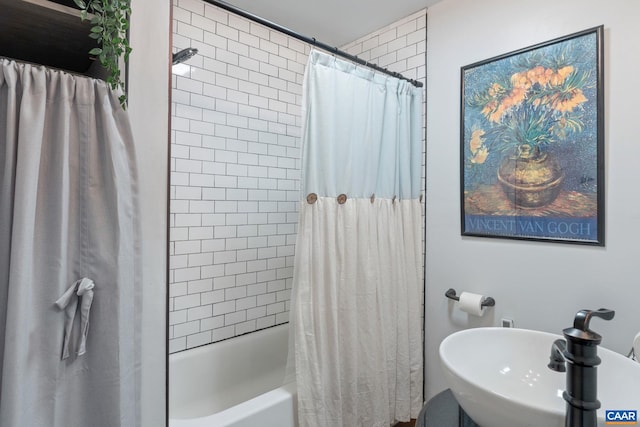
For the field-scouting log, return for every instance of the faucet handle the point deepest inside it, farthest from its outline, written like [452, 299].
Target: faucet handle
[583, 317]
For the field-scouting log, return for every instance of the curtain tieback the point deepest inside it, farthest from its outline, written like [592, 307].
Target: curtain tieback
[68, 302]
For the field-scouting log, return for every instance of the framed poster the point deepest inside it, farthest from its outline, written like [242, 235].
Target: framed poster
[532, 142]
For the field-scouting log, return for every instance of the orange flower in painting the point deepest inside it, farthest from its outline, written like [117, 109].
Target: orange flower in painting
[566, 105]
[496, 115]
[520, 80]
[476, 140]
[538, 103]
[561, 75]
[480, 156]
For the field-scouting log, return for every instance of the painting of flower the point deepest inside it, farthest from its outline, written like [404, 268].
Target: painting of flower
[532, 142]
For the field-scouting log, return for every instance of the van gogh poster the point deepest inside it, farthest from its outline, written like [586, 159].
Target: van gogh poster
[532, 143]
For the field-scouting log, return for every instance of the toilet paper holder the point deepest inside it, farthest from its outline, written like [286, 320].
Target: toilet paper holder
[487, 302]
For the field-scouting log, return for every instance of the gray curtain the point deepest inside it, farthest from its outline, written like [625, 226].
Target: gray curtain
[68, 211]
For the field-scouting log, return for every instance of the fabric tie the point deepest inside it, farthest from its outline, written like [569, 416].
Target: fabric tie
[83, 288]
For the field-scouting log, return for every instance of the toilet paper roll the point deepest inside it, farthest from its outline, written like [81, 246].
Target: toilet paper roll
[472, 303]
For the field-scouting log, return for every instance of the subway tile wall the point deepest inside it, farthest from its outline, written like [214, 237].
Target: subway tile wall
[235, 166]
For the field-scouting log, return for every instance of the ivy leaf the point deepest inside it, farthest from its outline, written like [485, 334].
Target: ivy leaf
[95, 51]
[97, 7]
[80, 3]
[83, 14]
[94, 36]
[97, 29]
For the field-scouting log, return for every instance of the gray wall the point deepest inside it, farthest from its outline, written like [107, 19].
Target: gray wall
[538, 285]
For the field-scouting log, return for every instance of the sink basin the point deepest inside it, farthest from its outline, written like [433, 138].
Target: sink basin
[500, 378]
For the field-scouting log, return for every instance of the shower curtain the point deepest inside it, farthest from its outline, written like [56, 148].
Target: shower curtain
[357, 288]
[69, 266]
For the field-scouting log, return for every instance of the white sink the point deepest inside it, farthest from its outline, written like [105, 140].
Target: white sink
[500, 378]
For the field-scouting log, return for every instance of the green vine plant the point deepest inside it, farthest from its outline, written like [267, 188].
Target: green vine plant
[109, 25]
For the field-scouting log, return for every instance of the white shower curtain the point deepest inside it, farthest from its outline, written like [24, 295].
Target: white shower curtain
[68, 219]
[357, 293]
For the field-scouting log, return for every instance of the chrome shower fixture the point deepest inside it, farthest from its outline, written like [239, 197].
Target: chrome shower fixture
[183, 55]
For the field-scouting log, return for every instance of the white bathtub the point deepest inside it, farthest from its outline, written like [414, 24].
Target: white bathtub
[233, 383]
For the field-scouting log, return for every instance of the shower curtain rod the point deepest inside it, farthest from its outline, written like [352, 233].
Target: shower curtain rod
[311, 40]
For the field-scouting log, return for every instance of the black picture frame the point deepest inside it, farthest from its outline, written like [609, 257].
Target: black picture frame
[532, 142]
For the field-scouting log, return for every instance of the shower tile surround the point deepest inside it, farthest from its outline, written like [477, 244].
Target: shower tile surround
[235, 166]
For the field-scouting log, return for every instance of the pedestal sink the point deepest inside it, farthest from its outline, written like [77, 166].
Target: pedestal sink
[500, 378]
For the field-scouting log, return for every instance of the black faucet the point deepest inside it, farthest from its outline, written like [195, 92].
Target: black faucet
[556, 359]
[580, 352]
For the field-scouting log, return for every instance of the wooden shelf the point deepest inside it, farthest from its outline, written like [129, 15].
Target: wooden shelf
[46, 32]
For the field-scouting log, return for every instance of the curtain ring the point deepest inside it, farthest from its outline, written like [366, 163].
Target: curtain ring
[311, 198]
[342, 199]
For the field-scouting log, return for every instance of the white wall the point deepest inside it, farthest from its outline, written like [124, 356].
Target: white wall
[149, 114]
[539, 285]
[235, 170]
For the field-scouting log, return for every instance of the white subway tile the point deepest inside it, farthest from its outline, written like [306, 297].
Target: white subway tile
[222, 333]
[188, 85]
[235, 317]
[187, 193]
[238, 122]
[227, 82]
[256, 312]
[247, 182]
[225, 181]
[189, 31]
[277, 240]
[276, 263]
[274, 308]
[177, 344]
[236, 193]
[180, 316]
[212, 298]
[177, 290]
[200, 233]
[212, 323]
[187, 247]
[215, 13]
[224, 307]
[257, 289]
[265, 322]
[247, 254]
[277, 61]
[224, 282]
[197, 260]
[282, 317]
[187, 220]
[245, 279]
[248, 39]
[265, 253]
[227, 32]
[203, 128]
[225, 232]
[184, 329]
[259, 30]
[235, 268]
[187, 301]
[211, 271]
[248, 231]
[245, 327]
[204, 311]
[213, 194]
[199, 339]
